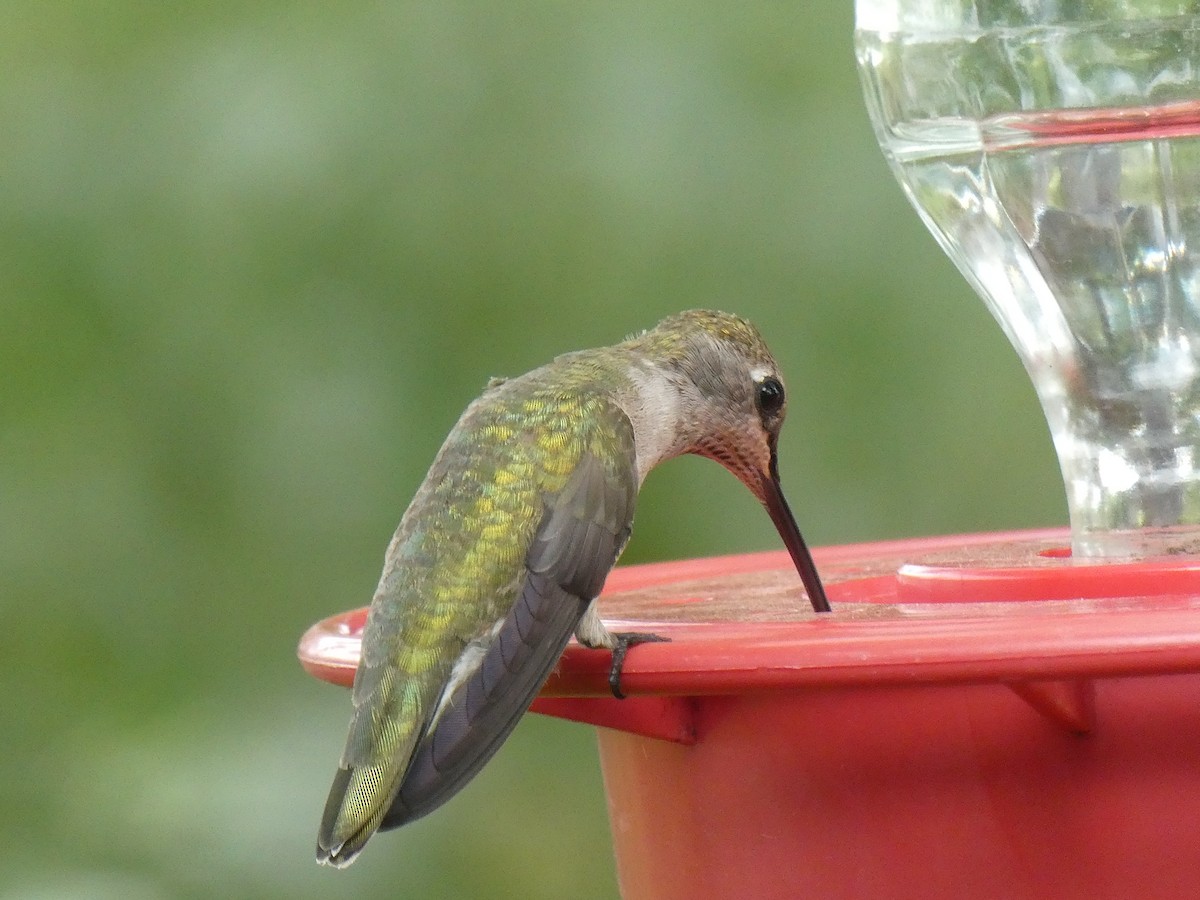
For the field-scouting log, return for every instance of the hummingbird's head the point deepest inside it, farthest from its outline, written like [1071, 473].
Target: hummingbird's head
[732, 404]
[732, 397]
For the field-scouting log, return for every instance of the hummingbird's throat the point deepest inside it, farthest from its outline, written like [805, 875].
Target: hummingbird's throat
[749, 473]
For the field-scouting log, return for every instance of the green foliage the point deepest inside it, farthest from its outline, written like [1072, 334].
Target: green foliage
[255, 258]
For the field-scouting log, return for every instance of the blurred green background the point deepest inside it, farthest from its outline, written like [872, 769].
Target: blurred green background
[256, 258]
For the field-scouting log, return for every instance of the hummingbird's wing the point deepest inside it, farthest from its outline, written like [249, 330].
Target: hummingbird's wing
[547, 508]
[582, 531]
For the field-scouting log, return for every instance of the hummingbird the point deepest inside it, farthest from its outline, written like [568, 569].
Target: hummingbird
[508, 541]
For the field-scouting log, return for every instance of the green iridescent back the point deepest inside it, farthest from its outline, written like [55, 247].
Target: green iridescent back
[456, 562]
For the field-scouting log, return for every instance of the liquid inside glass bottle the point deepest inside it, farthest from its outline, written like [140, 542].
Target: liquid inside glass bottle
[1058, 164]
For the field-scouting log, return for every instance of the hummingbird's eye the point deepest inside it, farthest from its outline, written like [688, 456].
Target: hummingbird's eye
[770, 396]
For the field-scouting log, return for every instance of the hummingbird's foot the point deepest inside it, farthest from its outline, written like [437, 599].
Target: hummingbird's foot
[625, 640]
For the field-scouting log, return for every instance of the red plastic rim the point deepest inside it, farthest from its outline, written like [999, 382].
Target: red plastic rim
[926, 610]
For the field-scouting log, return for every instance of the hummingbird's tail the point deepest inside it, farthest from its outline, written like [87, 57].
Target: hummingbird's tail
[356, 805]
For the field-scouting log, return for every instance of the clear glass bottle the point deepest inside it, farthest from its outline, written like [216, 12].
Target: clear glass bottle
[1053, 149]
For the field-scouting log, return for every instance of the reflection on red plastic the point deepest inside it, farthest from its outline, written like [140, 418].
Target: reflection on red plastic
[1164, 579]
[1056, 552]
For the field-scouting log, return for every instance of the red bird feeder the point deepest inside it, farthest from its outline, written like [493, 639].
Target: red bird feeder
[980, 716]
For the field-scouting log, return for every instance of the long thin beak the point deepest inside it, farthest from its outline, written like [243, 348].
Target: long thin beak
[785, 522]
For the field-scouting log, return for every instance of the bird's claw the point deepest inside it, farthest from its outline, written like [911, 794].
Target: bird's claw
[625, 640]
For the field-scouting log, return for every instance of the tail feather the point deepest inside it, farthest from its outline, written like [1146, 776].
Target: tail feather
[386, 723]
[356, 805]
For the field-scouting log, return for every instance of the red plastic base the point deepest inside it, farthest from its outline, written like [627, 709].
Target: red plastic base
[980, 716]
[956, 791]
